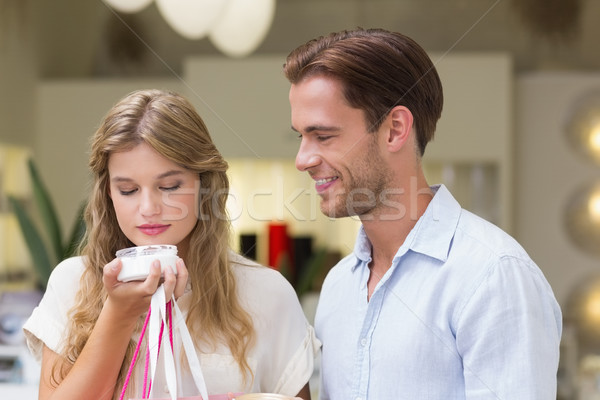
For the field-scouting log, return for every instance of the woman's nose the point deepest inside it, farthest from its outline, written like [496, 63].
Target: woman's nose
[150, 203]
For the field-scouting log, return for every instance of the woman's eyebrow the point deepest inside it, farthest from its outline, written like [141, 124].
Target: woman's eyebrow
[166, 174]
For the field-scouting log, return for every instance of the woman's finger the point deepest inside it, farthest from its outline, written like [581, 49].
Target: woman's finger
[110, 273]
[169, 282]
[153, 278]
[182, 278]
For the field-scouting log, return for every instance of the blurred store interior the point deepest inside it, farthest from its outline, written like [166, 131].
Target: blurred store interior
[518, 143]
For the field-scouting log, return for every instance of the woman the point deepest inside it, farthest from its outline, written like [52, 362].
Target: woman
[159, 179]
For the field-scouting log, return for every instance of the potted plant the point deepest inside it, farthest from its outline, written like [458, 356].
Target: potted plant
[48, 248]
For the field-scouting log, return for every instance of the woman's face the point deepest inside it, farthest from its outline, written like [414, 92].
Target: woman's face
[154, 198]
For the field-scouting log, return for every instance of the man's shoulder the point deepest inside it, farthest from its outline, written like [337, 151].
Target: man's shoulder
[475, 231]
[478, 242]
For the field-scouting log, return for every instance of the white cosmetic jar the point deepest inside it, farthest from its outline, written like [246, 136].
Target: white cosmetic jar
[263, 396]
[136, 261]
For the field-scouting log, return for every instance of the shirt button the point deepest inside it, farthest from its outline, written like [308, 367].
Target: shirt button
[358, 398]
[364, 343]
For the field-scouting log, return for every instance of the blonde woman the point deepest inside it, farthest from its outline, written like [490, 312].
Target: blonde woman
[159, 179]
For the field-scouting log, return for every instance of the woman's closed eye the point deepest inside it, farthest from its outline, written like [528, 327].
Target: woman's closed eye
[127, 192]
[170, 188]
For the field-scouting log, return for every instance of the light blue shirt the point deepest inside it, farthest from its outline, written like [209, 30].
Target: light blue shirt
[463, 313]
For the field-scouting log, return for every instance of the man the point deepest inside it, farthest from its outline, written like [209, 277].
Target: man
[434, 302]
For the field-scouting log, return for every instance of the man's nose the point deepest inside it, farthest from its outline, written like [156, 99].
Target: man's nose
[307, 156]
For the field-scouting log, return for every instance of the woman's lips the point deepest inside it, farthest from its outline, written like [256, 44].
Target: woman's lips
[153, 229]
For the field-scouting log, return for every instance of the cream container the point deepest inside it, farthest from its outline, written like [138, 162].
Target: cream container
[263, 396]
[137, 260]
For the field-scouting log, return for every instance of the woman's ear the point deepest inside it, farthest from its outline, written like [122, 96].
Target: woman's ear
[400, 124]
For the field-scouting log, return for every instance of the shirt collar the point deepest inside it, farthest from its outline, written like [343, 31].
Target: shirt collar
[433, 233]
[433, 236]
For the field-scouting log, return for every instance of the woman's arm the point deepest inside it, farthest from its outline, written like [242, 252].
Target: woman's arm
[94, 373]
[304, 393]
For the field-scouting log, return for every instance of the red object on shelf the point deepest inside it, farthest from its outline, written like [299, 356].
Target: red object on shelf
[279, 245]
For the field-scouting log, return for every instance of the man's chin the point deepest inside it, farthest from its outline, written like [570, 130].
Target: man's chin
[333, 210]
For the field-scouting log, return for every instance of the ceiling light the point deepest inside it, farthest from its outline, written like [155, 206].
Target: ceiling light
[192, 19]
[583, 127]
[235, 27]
[128, 6]
[243, 26]
[582, 219]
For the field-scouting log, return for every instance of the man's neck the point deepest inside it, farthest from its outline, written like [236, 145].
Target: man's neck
[388, 228]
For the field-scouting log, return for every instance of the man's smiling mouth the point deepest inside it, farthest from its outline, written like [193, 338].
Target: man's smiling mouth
[325, 180]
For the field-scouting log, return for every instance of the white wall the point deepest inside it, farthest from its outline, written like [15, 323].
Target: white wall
[244, 103]
[18, 77]
[547, 172]
[68, 114]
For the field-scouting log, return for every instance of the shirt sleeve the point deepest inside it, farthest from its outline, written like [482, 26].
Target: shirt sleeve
[509, 334]
[48, 321]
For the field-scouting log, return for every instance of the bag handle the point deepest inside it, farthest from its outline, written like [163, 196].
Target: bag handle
[156, 322]
[135, 355]
[190, 352]
[176, 321]
[158, 303]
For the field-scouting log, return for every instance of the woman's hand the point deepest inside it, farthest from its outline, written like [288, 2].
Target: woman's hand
[131, 299]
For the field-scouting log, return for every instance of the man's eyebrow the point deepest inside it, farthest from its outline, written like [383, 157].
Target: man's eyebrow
[322, 128]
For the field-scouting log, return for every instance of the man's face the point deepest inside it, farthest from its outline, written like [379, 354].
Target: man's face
[336, 148]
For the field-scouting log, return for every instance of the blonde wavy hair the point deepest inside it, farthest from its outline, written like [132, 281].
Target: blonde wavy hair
[170, 125]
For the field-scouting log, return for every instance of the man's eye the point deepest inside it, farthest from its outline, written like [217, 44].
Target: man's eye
[322, 138]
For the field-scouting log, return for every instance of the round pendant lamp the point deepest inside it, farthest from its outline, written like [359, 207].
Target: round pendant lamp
[243, 26]
[192, 19]
[128, 6]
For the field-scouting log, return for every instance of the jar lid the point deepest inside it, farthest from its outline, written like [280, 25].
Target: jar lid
[152, 249]
[263, 396]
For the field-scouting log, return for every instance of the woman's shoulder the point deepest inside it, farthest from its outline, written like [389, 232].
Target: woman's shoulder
[67, 273]
[249, 269]
[256, 280]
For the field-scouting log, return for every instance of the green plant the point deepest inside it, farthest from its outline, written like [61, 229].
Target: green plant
[44, 259]
[312, 272]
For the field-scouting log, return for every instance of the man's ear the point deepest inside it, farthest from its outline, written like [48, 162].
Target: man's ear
[400, 124]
